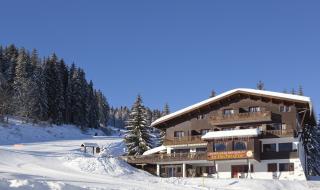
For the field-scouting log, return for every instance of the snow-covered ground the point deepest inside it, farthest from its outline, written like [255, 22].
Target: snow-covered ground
[34, 157]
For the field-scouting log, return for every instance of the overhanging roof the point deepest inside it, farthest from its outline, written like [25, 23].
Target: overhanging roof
[262, 93]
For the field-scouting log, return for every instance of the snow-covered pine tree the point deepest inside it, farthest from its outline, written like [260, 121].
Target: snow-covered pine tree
[137, 137]
[5, 98]
[23, 86]
[10, 59]
[311, 143]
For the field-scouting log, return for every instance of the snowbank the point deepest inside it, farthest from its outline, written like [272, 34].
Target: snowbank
[16, 132]
[17, 184]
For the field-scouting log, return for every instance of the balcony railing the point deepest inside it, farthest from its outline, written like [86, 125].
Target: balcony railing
[248, 117]
[279, 155]
[184, 140]
[278, 133]
[156, 158]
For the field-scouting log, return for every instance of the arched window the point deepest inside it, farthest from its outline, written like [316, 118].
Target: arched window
[239, 146]
[218, 147]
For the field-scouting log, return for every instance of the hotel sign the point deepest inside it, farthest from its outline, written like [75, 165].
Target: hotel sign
[229, 155]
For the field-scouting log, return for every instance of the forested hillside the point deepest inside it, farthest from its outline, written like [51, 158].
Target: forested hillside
[47, 89]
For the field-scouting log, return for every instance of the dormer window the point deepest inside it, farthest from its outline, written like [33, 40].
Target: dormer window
[179, 134]
[255, 109]
[284, 108]
[228, 112]
[201, 116]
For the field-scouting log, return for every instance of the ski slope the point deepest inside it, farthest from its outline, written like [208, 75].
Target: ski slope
[59, 164]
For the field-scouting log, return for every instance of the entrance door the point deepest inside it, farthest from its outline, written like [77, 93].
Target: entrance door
[235, 171]
[239, 171]
[171, 172]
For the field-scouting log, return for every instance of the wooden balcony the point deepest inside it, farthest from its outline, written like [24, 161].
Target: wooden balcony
[278, 133]
[157, 158]
[184, 140]
[249, 117]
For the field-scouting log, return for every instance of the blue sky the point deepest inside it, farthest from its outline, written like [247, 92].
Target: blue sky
[174, 51]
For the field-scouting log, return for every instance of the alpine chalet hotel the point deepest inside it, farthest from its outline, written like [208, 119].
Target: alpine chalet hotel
[242, 133]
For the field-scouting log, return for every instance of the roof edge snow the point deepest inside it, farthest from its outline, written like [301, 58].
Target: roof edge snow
[154, 150]
[231, 133]
[291, 97]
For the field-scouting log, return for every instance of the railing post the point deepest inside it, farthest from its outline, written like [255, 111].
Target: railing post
[158, 170]
[184, 170]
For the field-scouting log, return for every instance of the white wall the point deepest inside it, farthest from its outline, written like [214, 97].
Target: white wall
[260, 169]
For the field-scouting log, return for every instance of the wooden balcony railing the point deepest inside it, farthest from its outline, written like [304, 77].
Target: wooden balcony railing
[278, 133]
[156, 158]
[184, 140]
[279, 155]
[249, 117]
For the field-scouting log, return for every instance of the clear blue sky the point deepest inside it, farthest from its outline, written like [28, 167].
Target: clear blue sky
[174, 51]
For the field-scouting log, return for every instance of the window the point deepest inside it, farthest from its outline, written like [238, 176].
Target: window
[179, 134]
[286, 167]
[285, 147]
[212, 169]
[269, 148]
[239, 146]
[219, 147]
[228, 112]
[204, 131]
[272, 167]
[284, 108]
[200, 117]
[254, 109]
[204, 149]
[179, 169]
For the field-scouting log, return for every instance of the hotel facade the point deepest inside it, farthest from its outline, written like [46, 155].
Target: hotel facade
[242, 133]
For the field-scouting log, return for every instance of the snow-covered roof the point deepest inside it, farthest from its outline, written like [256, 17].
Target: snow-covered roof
[154, 150]
[296, 98]
[231, 133]
[90, 144]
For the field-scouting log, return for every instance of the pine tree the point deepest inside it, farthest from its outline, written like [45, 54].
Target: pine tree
[300, 91]
[103, 108]
[40, 94]
[21, 85]
[5, 98]
[70, 99]
[92, 108]
[260, 85]
[293, 91]
[137, 137]
[213, 93]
